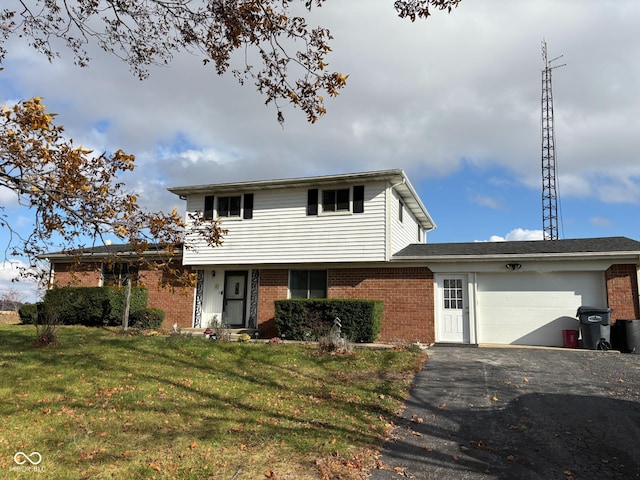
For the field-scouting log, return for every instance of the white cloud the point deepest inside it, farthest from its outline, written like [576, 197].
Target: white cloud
[601, 222]
[518, 234]
[487, 201]
[10, 280]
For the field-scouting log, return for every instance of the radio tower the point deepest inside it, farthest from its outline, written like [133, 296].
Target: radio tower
[549, 189]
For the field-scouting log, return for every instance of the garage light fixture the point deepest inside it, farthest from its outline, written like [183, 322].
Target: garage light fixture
[513, 266]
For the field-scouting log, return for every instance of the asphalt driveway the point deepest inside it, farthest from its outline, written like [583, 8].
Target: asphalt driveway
[519, 413]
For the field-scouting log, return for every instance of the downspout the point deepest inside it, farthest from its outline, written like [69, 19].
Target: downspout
[388, 196]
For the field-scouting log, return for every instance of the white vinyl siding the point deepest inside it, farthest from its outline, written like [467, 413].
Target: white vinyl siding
[282, 232]
[403, 232]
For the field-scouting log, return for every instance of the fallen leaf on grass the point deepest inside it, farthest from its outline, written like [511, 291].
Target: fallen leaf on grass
[511, 458]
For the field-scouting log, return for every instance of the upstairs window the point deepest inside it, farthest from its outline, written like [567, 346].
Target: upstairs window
[400, 210]
[335, 200]
[308, 283]
[229, 206]
[116, 274]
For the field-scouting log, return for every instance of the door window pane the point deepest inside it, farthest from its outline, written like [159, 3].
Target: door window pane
[453, 294]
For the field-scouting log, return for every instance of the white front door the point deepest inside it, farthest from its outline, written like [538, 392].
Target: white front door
[453, 309]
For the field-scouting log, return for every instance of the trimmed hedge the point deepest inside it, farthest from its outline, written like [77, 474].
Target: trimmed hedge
[28, 313]
[93, 306]
[117, 297]
[146, 319]
[310, 319]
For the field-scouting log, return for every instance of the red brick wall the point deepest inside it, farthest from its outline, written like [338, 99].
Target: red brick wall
[177, 302]
[86, 275]
[407, 294]
[622, 291]
[274, 285]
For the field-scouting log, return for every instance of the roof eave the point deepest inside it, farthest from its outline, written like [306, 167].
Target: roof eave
[286, 182]
[530, 257]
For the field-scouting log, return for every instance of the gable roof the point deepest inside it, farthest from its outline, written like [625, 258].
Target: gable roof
[580, 247]
[396, 177]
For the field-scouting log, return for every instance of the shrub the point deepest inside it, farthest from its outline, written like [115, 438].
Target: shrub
[146, 319]
[78, 305]
[92, 306]
[47, 321]
[311, 319]
[117, 297]
[28, 313]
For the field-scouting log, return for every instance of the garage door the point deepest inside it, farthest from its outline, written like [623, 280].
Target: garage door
[533, 308]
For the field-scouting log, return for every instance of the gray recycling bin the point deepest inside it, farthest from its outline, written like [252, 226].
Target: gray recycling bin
[595, 326]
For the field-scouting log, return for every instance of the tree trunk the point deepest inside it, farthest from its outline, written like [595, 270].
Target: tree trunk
[127, 303]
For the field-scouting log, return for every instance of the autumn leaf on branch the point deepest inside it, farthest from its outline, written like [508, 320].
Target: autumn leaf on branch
[291, 58]
[75, 196]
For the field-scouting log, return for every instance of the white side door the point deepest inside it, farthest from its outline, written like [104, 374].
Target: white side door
[452, 309]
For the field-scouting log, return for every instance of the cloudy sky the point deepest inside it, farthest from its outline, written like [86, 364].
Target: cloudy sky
[454, 101]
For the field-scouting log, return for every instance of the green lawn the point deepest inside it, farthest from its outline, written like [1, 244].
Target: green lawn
[105, 405]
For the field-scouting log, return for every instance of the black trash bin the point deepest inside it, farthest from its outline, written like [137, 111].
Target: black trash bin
[595, 327]
[627, 336]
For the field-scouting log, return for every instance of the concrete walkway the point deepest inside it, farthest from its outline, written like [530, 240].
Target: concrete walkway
[480, 413]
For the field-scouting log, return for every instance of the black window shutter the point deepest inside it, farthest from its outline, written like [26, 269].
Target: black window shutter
[358, 199]
[208, 207]
[248, 206]
[312, 201]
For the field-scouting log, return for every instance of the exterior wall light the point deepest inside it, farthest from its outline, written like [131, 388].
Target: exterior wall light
[513, 266]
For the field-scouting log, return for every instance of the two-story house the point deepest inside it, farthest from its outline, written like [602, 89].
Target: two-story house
[319, 237]
[363, 235]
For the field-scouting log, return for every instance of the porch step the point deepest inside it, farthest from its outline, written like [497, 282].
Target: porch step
[230, 334]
